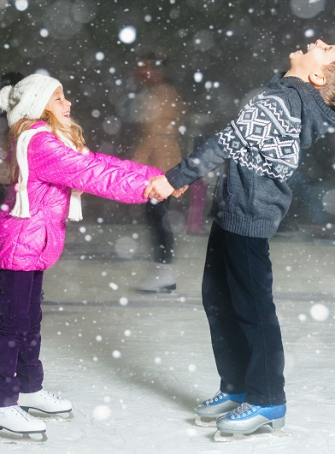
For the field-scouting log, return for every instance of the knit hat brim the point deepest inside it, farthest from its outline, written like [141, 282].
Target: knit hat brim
[29, 97]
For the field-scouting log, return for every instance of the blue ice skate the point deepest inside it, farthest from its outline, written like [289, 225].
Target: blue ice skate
[221, 403]
[247, 418]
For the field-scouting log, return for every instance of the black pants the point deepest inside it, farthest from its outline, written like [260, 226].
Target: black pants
[160, 231]
[245, 332]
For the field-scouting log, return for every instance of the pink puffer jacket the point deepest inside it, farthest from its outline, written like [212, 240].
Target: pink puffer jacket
[37, 242]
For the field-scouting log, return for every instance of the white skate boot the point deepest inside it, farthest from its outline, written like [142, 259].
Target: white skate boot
[44, 401]
[16, 420]
[162, 280]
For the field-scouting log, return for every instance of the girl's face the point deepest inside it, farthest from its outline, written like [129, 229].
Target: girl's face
[60, 107]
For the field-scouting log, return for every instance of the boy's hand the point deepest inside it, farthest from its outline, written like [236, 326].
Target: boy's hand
[158, 188]
[178, 192]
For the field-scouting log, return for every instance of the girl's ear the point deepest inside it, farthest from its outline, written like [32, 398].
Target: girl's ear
[317, 79]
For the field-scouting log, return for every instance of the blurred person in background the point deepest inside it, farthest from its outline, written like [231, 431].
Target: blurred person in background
[159, 112]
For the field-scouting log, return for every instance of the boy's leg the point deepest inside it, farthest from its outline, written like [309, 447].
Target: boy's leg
[16, 289]
[250, 285]
[230, 346]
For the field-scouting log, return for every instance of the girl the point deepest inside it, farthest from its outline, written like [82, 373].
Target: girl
[49, 170]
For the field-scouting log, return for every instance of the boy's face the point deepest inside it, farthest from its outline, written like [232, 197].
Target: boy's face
[318, 55]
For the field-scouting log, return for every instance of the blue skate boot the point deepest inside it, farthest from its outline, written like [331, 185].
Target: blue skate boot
[221, 403]
[247, 418]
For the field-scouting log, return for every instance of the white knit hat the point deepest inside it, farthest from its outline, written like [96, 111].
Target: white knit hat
[28, 98]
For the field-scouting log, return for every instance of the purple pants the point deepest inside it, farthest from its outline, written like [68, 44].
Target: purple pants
[20, 338]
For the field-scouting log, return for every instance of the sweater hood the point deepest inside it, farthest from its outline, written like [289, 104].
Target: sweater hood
[307, 103]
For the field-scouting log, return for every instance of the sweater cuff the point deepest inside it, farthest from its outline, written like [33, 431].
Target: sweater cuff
[176, 178]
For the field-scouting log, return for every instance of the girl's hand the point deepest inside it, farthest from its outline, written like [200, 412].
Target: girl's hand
[158, 188]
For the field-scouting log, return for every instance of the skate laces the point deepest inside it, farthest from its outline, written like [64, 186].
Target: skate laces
[218, 396]
[243, 410]
[24, 414]
[49, 395]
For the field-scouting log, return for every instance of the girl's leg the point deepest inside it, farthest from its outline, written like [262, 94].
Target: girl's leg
[229, 343]
[20, 318]
[29, 369]
[249, 279]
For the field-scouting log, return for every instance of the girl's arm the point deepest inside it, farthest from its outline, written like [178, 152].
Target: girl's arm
[106, 176]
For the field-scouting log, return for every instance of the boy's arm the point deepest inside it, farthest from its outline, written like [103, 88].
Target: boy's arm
[264, 139]
[202, 161]
[207, 157]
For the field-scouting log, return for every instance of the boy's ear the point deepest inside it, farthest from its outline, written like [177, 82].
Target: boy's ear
[318, 79]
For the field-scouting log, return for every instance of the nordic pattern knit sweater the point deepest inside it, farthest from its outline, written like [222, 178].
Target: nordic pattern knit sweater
[263, 147]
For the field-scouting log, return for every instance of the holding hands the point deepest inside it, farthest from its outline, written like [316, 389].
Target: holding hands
[159, 188]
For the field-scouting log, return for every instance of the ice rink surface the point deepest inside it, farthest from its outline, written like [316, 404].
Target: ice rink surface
[135, 365]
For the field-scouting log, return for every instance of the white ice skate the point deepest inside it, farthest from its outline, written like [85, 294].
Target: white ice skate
[162, 280]
[45, 402]
[16, 420]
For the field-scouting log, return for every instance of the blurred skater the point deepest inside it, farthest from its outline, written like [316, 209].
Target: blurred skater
[159, 114]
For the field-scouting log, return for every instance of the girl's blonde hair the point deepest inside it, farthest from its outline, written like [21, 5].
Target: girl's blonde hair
[74, 134]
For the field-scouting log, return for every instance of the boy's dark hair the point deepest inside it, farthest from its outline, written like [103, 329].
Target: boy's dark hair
[327, 92]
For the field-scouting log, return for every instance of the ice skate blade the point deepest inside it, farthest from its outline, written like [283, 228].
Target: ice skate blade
[65, 416]
[259, 433]
[28, 435]
[38, 410]
[203, 423]
[32, 437]
[165, 289]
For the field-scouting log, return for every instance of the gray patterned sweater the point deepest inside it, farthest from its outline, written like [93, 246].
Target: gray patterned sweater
[263, 146]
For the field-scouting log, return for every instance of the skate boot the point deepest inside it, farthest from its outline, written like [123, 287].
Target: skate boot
[211, 409]
[44, 401]
[162, 280]
[16, 420]
[247, 418]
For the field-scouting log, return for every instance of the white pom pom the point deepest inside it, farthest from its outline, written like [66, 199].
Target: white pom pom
[4, 97]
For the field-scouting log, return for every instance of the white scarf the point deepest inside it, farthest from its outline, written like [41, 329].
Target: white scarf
[21, 208]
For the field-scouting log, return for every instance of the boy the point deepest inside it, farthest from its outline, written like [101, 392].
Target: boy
[263, 147]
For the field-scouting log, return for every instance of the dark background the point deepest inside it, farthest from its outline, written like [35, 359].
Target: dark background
[236, 46]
